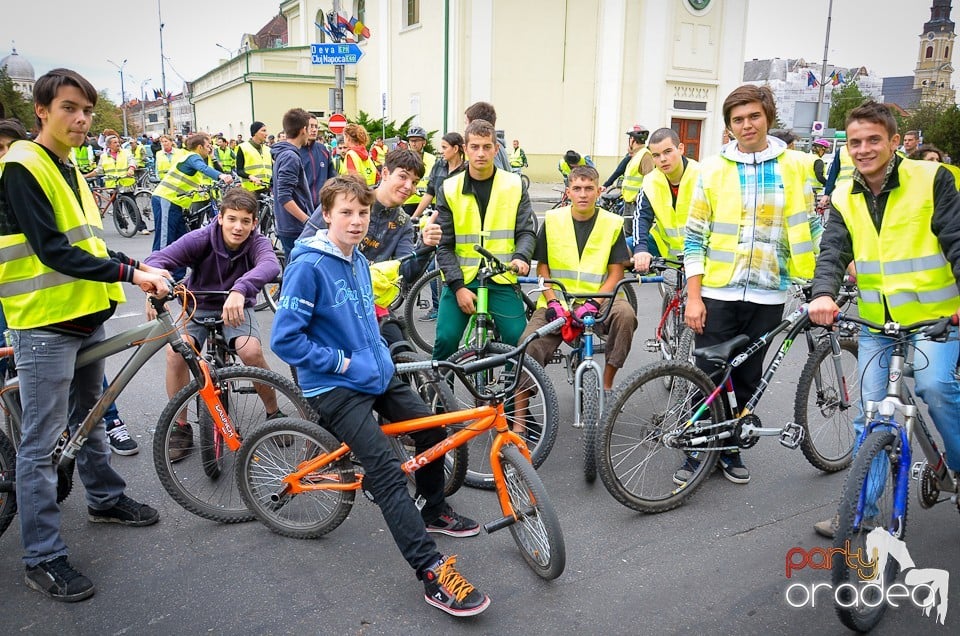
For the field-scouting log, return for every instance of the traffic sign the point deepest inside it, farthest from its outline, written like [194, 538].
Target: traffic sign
[335, 53]
[337, 123]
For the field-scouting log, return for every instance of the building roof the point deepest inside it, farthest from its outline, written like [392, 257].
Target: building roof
[900, 91]
[272, 32]
[940, 21]
[18, 68]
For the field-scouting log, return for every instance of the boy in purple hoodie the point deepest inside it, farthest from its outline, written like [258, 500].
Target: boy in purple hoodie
[226, 256]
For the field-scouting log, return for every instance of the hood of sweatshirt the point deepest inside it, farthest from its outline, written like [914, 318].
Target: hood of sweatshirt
[775, 148]
[319, 243]
[281, 147]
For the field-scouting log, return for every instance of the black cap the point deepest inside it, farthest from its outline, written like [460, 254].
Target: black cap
[256, 126]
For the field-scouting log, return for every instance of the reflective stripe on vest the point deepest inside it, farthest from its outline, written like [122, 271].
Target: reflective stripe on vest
[668, 230]
[83, 158]
[917, 288]
[226, 158]
[115, 170]
[580, 273]
[501, 214]
[177, 186]
[33, 294]
[721, 185]
[632, 179]
[365, 167]
[428, 161]
[256, 163]
[516, 157]
[846, 166]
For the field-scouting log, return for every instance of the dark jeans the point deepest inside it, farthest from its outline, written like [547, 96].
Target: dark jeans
[349, 416]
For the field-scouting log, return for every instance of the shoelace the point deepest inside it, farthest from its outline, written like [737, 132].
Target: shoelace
[452, 580]
[119, 433]
[61, 569]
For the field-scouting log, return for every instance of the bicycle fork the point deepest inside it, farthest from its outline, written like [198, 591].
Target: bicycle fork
[586, 364]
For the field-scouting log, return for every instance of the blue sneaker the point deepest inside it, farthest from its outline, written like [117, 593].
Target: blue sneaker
[733, 468]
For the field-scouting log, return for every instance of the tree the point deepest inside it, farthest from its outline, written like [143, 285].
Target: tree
[13, 104]
[376, 127]
[842, 102]
[106, 114]
[939, 125]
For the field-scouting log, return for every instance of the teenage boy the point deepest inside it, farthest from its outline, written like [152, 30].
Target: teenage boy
[487, 206]
[326, 327]
[659, 223]
[292, 202]
[59, 283]
[316, 162]
[583, 247]
[223, 256]
[254, 161]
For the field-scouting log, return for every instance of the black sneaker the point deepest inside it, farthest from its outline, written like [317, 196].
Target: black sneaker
[450, 523]
[733, 468]
[685, 472]
[181, 442]
[120, 441]
[57, 579]
[126, 512]
[446, 589]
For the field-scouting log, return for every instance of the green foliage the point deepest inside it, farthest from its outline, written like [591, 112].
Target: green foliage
[376, 127]
[843, 101]
[13, 104]
[106, 114]
[939, 125]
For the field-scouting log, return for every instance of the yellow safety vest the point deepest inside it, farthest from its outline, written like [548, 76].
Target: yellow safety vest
[378, 154]
[428, 161]
[140, 156]
[721, 186]
[498, 232]
[632, 179]
[365, 167]
[955, 171]
[668, 230]
[33, 294]
[846, 166]
[226, 158]
[516, 157]
[82, 158]
[580, 273]
[115, 170]
[164, 164]
[204, 181]
[177, 186]
[902, 266]
[565, 168]
[256, 164]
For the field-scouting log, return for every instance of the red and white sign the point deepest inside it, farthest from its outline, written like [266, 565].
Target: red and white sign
[337, 123]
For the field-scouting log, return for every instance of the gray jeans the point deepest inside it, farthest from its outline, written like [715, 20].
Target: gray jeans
[53, 391]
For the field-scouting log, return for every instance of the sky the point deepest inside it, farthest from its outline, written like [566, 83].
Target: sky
[879, 34]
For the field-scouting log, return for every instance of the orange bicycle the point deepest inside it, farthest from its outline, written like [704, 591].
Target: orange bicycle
[299, 481]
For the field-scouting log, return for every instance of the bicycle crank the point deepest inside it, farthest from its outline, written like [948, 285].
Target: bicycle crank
[928, 488]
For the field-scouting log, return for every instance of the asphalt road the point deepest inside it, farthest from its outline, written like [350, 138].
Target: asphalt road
[715, 565]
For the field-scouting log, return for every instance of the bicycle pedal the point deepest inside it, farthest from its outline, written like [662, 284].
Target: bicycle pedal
[791, 435]
[651, 345]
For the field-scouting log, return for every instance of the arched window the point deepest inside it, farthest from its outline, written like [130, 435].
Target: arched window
[946, 52]
[929, 53]
[321, 36]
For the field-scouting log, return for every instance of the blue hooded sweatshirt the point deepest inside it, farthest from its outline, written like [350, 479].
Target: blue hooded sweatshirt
[325, 315]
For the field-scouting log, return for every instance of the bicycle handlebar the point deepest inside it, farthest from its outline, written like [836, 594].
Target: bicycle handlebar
[933, 328]
[498, 264]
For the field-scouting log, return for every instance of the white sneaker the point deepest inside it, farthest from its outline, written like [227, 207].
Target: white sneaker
[120, 441]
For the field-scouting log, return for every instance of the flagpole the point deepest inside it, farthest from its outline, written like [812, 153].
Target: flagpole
[823, 70]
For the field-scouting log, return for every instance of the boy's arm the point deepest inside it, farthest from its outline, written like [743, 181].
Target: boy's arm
[186, 251]
[525, 237]
[265, 268]
[446, 256]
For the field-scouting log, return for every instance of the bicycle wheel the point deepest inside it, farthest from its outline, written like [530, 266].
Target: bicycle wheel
[829, 436]
[540, 419]
[185, 478]
[126, 217]
[8, 483]
[418, 303]
[439, 397]
[276, 450]
[636, 463]
[873, 475]
[537, 529]
[144, 201]
[212, 447]
[270, 294]
[590, 418]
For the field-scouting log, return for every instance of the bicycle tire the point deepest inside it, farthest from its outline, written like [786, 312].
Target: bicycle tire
[212, 445]
[418, 330]
[8, 471]
[874, 455]
[537, 530]
[438, 395]
[525, 181]
[640, 413]
[829, 440]
[540, 433]
[270, 294]
[144, 201]
[669, 341]
[126, 217]
[218, 499]
[274, 451]
[590, 418]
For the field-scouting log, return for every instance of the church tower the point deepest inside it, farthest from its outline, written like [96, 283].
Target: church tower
[934, 69]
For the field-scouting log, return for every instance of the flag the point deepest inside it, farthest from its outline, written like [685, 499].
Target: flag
[359, 28]
[325, 30]
[836, 77]
[336, 29]
[840, 78]
[812, 79]
[157, 94]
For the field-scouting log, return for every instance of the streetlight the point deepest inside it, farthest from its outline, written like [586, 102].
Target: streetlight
[123, 95]
[143, 98]
[167, 125]
[229, 52]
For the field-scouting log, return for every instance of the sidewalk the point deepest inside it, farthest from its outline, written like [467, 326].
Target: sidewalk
[545, 192]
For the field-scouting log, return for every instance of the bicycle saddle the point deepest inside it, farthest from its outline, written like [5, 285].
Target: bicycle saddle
[721, 353]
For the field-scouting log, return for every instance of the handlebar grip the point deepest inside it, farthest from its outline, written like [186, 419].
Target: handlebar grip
[651, 279]
[550, 327]
[484, 252]
[414, 367]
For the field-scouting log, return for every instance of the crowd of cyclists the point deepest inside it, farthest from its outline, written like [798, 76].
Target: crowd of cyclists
[745, 222]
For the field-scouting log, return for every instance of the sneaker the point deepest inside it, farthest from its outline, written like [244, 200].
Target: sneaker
[685, 472]
[452, 524]
[828, 527]
[57, 579]
[126, 512]
[446, 589]
[181, 442]
[120, 441]
[733, 468]
[430, 316]
[283, 440]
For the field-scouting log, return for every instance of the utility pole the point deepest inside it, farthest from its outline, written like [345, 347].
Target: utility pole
[143, 98]
[168, 126]
[823, 69]
[338, 72]
[123, 95]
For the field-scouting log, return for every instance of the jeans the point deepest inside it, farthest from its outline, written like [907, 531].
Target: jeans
[287, 242]
[54, 392]
[112, 413]
[348, 415]
[168, 226]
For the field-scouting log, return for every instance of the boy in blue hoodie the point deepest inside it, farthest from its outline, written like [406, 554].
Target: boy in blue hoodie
[326, 327]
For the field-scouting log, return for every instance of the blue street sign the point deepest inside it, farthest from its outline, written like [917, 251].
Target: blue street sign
[335, 53]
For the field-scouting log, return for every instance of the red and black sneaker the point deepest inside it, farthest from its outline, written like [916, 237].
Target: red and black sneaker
[446, 589]
[450, 523]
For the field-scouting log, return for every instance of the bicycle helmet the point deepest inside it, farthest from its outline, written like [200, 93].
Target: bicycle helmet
[821, 142]
[416, 131]
[639, 133]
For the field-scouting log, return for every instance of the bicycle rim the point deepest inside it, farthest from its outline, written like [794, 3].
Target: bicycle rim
[125, 216]
[8, 497]
[144, 200]
[416, 306]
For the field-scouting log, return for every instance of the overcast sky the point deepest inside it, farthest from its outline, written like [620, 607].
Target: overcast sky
[879, 34]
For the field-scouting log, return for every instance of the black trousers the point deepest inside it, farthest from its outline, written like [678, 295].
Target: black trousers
[349, 416]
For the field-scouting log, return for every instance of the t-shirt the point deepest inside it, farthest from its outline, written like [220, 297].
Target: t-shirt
[582, 229]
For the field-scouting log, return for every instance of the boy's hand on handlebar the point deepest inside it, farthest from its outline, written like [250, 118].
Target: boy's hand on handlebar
[467, 301]
[589, 308]
[233, 309]
[823, 310]
[156, 270]
[520, 266]
[151, 283]
[554, 310]
[641, 262]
